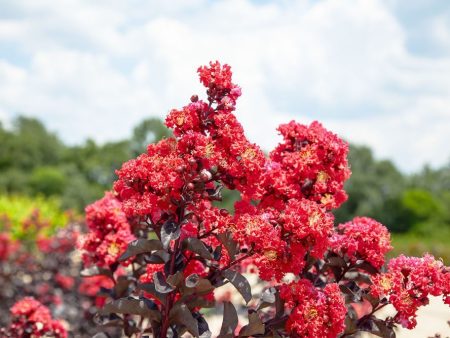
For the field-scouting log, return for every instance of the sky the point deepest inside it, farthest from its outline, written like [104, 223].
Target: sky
[375, 72]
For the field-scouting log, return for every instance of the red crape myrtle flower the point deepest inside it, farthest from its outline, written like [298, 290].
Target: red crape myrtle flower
[110, 232]
[314, 312]
[409, 282]
[31, 318]
[362, 238]
[310, 163]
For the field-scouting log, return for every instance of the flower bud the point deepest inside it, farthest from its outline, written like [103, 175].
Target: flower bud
[224, 212]
[194, 98]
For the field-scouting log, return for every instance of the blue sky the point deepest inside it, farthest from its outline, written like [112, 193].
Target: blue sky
[375, 72]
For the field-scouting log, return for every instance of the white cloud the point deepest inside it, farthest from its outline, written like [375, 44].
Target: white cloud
[96, 68]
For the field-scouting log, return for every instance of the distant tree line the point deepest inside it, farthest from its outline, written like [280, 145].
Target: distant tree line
[34, 161]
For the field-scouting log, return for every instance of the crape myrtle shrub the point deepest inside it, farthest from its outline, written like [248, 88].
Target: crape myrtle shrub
[42, 292]
[166, 246]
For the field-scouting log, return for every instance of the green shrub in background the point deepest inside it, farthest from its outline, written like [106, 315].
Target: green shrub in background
[25, 218]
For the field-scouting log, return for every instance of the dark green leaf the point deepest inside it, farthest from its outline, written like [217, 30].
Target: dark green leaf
[140, 246]
[230, 321]
[196, 245]
[240, 283]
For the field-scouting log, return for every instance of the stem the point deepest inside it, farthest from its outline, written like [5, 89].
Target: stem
[206, 234]
[171, 296]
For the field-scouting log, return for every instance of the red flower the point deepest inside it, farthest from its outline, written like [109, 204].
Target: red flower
[362, 238]
[409, 282]
[314, 312]
[217, 79]
[312, 163]
[30, 315]
[110, 232]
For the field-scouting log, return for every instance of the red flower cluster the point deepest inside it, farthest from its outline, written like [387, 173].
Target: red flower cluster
[362, 238]
[409, 282]
[109, 235]
[314, 312]
[311, 163]
[281, 238]
[221, 89]
[308, 169]
[31, 318]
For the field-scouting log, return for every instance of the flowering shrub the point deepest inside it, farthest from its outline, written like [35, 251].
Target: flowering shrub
[32, 319]
[43, 277]
[166, 246]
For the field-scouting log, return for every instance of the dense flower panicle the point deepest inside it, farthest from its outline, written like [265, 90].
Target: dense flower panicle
[217, 79]
[241, 162]
[312, 163]
[362, 238]
[309, 224]
[409, 282]
[106, 215]
[190, 118]
[30, 317]
[110, 233]
[314, 312]
[273, 265]
[149, 183]
[105, 250]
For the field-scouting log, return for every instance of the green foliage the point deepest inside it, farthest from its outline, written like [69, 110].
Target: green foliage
[148, 131]
[49, 181]
[374, 189]
[25, 217]
[33, 161]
